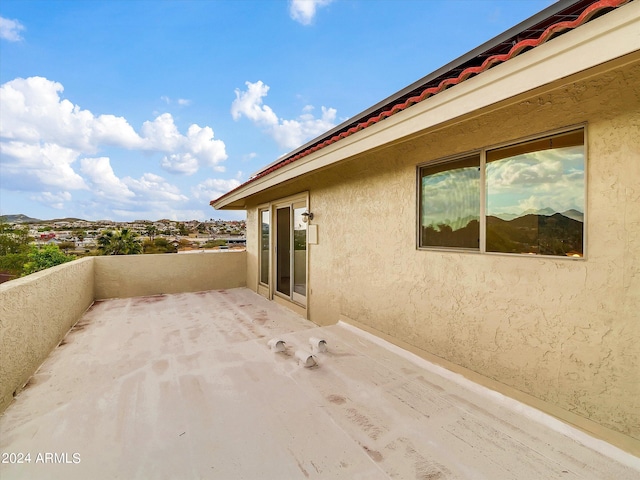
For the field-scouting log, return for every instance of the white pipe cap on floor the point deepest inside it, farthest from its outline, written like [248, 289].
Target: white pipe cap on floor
[277, 345]
[305, 358]
[318, 344]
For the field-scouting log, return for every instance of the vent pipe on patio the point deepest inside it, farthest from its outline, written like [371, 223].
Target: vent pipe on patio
[305, 358]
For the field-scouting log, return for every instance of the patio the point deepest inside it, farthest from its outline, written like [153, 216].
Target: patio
[185, 386]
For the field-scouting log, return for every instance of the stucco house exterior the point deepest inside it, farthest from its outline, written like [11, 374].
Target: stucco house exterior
[486, 217]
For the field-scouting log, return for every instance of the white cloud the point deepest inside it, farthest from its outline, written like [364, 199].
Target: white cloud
[197, 149]
[249, 104]
[104, 182]
[533, 181]
[114, 131]
[181, 163]
[183, 102]
[287, 133]
[51, 147]
[10, 29]
[155, 188]
[213, 188]
[293, 133]
[43, 135]
[32, 111]
[54, 200]
[304, 11]
[200, 142]
[33, 166]
[523, 172]
[161, 134]
[149, 196]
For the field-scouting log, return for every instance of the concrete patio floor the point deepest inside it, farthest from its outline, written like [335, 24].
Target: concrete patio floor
[185, 386]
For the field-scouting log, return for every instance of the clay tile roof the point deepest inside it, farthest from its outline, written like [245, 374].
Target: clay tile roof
[549, 23]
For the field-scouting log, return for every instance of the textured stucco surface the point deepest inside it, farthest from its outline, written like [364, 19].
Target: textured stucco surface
[137, 275]
[36, 312]
[566, 332]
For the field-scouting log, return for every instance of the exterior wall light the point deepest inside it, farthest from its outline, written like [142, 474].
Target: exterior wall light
[306, 216]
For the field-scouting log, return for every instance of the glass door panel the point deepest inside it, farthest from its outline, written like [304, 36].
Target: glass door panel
[299, 254]
[283, 251]
[264, 246]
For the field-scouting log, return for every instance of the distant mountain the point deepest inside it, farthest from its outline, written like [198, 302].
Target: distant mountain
[506, 216]
[542, 211]
[19, 218]
[555, 234]
[66, 219]
[574, 214]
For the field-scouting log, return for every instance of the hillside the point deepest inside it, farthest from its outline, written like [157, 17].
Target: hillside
[18, 218]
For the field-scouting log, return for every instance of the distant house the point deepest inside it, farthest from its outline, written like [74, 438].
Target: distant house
[486, 217]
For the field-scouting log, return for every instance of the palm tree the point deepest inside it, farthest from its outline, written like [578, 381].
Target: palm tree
[151, 230]
[119, 242]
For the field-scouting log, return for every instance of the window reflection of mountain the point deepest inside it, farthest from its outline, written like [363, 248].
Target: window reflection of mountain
[555, 234]
[538, 234]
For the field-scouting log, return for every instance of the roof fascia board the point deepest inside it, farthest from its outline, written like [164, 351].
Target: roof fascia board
[599, 41]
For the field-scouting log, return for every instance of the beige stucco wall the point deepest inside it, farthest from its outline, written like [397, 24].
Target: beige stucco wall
[564, 332]
[253, 225]
[35, 314]
[138, 275]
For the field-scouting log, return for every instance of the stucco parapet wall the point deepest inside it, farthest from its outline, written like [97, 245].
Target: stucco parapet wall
[141, 275]
[36, 312]
[605, 39]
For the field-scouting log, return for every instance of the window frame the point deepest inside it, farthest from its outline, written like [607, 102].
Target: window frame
[482, 152]
[270, 290]
[444, 161]
[261, 252]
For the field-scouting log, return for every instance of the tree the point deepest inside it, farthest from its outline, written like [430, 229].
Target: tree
[14, 248]
[159, 245]
[151, 231]
[66, 246]
[183, 230]
[119, 242]
[13, 240]
[214, 243]
[45, 257]
[13, 263]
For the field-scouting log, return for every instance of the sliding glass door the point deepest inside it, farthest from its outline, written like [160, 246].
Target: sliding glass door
[291, 251]
[283, 251]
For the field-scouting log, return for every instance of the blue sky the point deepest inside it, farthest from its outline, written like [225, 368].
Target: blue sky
[149, 109]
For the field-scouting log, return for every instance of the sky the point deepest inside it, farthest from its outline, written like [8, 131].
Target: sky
[150, 109]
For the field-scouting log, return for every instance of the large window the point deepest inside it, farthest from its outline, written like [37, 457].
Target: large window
[526, 198]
